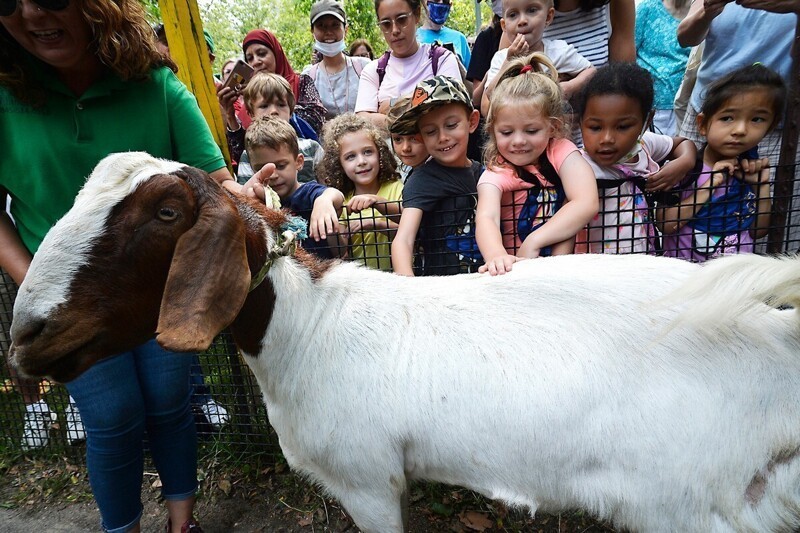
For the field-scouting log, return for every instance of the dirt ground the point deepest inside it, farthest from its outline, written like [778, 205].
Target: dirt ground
[40, 496]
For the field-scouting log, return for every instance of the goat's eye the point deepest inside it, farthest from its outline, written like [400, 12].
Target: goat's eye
[167, 214]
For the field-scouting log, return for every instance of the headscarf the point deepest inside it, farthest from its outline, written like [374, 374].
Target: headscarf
[282, 66]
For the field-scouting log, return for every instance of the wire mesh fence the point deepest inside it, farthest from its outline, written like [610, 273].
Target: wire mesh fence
[712, 214]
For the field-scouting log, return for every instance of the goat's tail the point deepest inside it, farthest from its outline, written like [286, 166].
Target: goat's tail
[725, 289]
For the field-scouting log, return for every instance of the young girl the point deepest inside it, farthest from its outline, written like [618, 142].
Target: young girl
[537, 191]
[615, 109]
[359, 163]
[728, 205]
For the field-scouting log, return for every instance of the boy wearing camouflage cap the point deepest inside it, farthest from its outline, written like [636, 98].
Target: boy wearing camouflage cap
[439, 196]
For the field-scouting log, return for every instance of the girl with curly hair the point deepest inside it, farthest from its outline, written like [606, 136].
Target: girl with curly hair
[359, 163]
[80, 79]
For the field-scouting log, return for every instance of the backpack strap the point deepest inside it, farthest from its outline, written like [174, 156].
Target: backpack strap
[436, 52]
[382, 62]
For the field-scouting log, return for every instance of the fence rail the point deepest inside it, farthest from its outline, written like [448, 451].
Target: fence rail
[631, 221]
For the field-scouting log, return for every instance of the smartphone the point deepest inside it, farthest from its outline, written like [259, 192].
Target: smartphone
[239, 76]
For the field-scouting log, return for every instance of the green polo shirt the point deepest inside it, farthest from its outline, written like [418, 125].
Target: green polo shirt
[49, 151]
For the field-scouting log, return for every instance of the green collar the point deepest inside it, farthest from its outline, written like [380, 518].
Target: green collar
[286, 245]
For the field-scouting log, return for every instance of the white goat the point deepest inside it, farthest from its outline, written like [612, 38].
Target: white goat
[557, 386]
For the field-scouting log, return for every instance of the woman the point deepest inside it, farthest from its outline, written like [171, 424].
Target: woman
[408, 62]
[78, 80]
[361, 48]
[336, 76]
[262, 51]
[601, 30]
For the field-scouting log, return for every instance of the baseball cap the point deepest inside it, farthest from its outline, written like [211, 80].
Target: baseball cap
[327, 7]
[428, 95]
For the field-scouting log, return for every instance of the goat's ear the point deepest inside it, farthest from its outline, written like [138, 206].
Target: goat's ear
[209, 277]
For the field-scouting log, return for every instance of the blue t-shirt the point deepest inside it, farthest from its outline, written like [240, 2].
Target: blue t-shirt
[301, 203]
[445, 36]
[658, 51]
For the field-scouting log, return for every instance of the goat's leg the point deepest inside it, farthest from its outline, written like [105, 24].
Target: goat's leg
[374, 510]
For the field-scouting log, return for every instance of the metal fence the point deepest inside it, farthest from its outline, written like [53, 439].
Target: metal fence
[631, 221]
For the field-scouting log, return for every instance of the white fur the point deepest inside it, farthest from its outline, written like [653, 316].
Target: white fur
[569, 383]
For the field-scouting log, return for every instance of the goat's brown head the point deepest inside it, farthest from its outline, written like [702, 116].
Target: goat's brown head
[142, 231]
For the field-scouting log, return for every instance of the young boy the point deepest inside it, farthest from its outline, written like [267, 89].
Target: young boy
[271, 95]
[439, 196]
[270, 140]
[408, 148]
[524, 22]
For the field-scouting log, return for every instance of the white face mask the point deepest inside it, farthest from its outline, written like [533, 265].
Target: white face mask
[329, 49]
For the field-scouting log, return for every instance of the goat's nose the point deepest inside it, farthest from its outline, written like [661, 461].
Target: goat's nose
[25, 332]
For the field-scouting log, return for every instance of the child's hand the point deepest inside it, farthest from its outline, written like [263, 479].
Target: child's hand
[362, 201]
[324, 219]
[499, 265]
[666, 178]
[519, 47]
[755, 171]
[721, 170]
[529, 249]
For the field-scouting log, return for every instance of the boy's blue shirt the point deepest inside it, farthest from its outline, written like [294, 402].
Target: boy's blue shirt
[301, 203]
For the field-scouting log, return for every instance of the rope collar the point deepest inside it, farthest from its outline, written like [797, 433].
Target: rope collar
[286, 245]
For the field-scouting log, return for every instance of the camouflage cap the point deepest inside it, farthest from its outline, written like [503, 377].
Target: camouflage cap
[397, 110]
[429, 94]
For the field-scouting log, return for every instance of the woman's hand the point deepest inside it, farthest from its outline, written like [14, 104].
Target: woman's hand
[254, 187]
[774, 6]
[227, 96]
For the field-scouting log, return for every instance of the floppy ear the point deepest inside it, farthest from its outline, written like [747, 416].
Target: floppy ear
[209, 277]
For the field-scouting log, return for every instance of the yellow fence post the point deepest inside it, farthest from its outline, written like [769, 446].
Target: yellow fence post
[187, 46]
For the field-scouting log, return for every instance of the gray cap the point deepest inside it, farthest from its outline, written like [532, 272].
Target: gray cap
[328, 7]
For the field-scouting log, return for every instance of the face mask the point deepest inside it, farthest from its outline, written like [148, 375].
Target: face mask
[637, 147]
[329, 49]
[438, 13]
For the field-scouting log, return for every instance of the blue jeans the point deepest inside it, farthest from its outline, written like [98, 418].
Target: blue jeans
[118, 398]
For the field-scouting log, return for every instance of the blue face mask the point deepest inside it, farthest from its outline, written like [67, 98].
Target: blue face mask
[438, 13]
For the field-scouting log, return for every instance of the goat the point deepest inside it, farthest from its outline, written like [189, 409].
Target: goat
[557, 386]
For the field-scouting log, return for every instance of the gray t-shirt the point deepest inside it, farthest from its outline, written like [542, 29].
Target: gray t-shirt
[338, 91]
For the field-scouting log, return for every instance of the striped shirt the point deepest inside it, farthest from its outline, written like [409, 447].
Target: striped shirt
[588, 31]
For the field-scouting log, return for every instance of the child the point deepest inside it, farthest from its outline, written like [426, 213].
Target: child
[615, 109]
[358, 163]
[408, 148]
[271, 95]
[727, 205]
[524, 22]
[270, 140]
[537, 191]
[438, 198]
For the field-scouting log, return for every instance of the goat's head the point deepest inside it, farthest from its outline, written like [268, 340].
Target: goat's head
[142, 231]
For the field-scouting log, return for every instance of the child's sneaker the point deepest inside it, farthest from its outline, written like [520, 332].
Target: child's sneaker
[216, 415]
[38, 418]
[75, 432]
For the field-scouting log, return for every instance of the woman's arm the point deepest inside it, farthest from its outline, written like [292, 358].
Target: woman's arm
[623, 21]
[574, 86]
[582, 203]
[14, 257]
[694, 27]
[488, 233]
[403, 243]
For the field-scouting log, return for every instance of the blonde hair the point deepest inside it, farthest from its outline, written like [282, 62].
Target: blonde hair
[537, 86]
[123, 41]
[331, 167]
[271, 132]
[268, 86]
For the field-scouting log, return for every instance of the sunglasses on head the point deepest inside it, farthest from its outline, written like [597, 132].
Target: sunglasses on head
[9, 7]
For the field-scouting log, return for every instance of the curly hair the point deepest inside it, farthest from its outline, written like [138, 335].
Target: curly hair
[123, 41]
[536, 86]
[331, 167]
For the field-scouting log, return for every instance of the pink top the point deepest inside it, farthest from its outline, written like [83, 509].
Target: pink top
[402, 76]
[515, 190]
